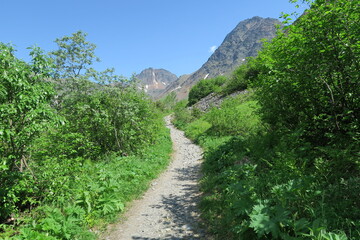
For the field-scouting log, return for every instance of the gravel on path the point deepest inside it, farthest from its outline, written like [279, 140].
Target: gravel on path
[168, 210]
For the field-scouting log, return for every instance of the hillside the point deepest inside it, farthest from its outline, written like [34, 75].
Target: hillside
[282, 158]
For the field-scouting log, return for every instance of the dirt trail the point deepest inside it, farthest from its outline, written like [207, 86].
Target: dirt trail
[168, 210]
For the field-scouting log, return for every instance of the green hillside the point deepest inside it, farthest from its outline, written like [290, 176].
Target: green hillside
[282, 160]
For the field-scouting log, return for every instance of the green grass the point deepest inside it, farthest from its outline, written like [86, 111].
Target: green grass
[261, 185]
[94, 195]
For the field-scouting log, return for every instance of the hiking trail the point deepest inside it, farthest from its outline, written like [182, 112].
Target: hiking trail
[168, 210]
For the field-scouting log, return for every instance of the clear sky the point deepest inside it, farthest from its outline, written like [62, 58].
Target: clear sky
[132, 35]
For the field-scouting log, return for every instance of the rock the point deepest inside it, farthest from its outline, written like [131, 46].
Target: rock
[153, 81]
[242, 42]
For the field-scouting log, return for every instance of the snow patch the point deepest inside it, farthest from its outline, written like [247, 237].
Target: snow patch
[178, 87]
[154, 78]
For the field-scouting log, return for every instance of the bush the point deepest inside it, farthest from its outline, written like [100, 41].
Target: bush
[112, 118]
[196, 128]
[25, 113]
[236, 116]
[76, 194]
[167, 103]
[182, 115]
[205, 87]
[311, 82]
[242, 77]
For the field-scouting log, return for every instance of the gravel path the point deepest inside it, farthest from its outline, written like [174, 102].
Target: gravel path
[168, 209]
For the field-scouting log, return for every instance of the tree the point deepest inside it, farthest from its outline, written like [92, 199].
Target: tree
[311, 79]
[24, 104]
[74, 55]
[101, 107]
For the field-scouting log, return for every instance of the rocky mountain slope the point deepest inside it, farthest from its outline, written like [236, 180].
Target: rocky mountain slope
[154, 81]
[242, 42]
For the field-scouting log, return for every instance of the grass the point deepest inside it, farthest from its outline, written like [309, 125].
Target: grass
[95, 195]
[261, 185]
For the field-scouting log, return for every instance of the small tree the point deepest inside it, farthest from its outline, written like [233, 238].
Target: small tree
[311, 77]
[24, 104]
[74, 56]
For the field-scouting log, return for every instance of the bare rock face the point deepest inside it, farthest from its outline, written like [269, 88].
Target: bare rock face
[242, 42]
[154, 81]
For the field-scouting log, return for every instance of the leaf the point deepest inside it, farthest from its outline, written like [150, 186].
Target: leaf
[261, 221]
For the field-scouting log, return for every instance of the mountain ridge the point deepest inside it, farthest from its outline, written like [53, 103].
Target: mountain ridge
[153, 81]
[244, 41]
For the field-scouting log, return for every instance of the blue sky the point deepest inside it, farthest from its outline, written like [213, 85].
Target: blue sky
[132, 35]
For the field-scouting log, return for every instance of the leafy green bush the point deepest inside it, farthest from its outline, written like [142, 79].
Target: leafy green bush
[77, 194]
[254, 191]
[298, 177]
[236, 116]
[182, 115]
[205, 87]
[61, 164]
[24, 113]
[195, 129]
[312, 85]
[114, 118]
[167, 103]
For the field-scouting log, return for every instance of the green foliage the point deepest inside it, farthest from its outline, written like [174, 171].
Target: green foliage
[195, 129]
[167, 103]
[314, 72]
[74, 55]
[182, 115]
[24, 104]
[75, 194]
[24, 113]
[298, 177]
[236, 116]
[241, 77]
[255, 190]
[205, 87]
[110, 114]
[54, 223]
[62, 153]
[113, 118]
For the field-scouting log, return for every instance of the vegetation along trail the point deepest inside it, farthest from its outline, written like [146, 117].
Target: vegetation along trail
[169, 209]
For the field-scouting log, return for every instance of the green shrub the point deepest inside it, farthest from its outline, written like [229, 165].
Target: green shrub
[77, 194]
[25, 113]
[235, 117]
[167, 103]
[62, 164]
[182, 115]
[196, 128]
[311, 79]
[113, 118]
[242, 77]
[205, 87]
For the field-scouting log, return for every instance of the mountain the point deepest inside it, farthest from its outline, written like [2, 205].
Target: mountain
[242, 42]
[154, 81]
